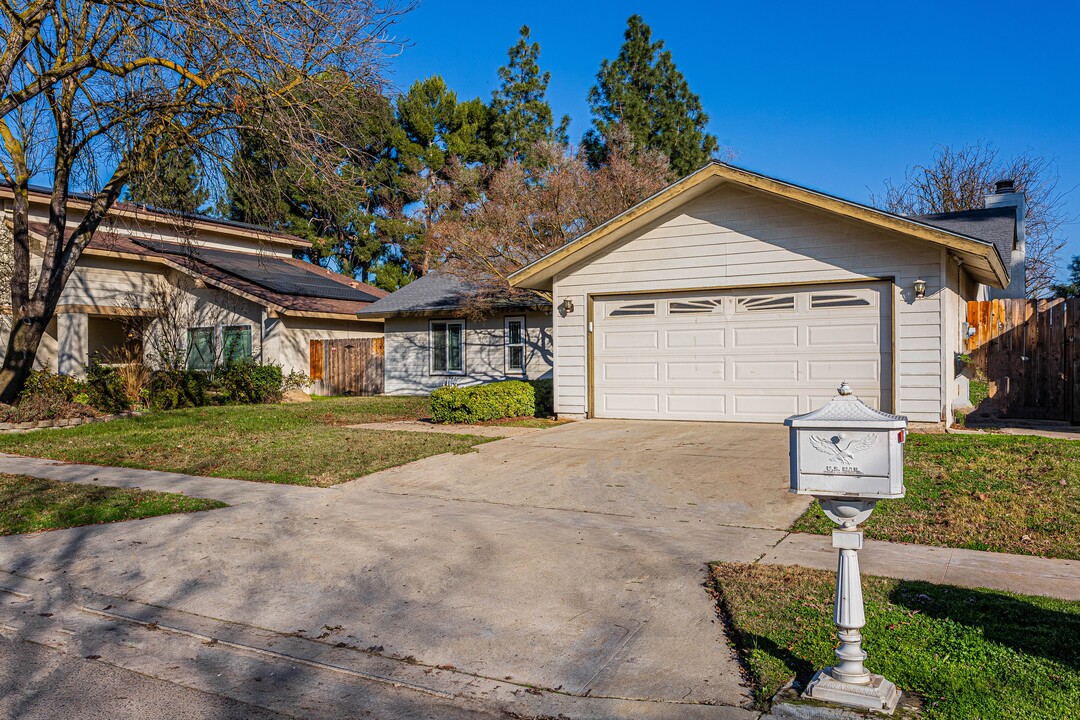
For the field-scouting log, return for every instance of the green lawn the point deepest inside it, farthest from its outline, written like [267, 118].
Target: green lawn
[302, 444]
[969, 654]
[31, 504]
[1005, 493]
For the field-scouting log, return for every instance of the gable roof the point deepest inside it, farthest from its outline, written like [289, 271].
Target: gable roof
[285, 284]
[982, 258]
[996, 225]
[432, 294]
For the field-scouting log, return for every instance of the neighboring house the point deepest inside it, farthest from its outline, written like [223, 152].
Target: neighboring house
[734, 296]
[206, 290]
[432, 341]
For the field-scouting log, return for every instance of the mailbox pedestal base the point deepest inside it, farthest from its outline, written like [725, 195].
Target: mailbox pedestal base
[879, 694]
[849, 682]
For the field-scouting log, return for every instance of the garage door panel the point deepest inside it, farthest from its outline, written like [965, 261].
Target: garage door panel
[632, 402]
[827, 337]
[630, 340]
[701, 405]
[696, 371]
[701, 337]
[751, 404]
[632, 371]
[766, 337]
[751, 356]
[758, 370]
[853, 371]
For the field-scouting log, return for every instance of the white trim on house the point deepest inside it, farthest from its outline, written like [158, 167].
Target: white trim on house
[448, 323]
[522, 345]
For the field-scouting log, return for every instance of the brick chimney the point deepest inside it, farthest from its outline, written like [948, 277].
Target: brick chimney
[1006, 195]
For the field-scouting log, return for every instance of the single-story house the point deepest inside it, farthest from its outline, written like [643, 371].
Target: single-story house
[735, 296]
[206, 289]
[432, 339]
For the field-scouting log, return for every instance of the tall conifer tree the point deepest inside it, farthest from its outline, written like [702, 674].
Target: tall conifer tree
[641, 98]
[170, 183]
[521, 115]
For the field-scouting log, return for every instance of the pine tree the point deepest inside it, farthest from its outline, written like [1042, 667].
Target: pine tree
[172, 183]
[521, 113]
[442, 148]
[340, 207]
[642, 99]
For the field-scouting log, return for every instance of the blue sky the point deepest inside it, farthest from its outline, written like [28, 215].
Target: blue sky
[837, 96]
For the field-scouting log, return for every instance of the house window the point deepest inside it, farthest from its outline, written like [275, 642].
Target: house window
[200, 354]
[515, 344]
[236, 342]
[447, 348]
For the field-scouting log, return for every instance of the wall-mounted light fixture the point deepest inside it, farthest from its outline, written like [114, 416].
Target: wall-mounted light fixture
[567, 306]
[920, 289]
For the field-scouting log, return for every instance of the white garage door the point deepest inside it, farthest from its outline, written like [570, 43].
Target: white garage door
[751, 355]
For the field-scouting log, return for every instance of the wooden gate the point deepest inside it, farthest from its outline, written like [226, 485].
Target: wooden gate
[351, 366]
[1029, 353]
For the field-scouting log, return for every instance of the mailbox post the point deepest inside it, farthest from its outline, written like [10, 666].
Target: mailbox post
[849, 456]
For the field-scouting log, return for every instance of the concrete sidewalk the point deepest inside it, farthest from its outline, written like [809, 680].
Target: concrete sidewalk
[232, 492]
[967, 568]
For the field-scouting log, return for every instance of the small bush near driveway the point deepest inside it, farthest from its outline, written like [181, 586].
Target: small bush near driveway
[480, 403]
[30, 504]
[967, 653]
[1006, 493]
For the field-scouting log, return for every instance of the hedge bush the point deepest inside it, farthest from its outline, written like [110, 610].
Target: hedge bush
[105, 388]
[174, 389]
[507, 399]
[246, 381]
[545, 397]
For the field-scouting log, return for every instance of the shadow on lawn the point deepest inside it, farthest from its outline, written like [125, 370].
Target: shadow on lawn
[1013, 622]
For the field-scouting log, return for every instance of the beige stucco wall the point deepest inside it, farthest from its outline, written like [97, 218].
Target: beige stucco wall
[408, 344]
[734, 237]
[288, 340]
[108, 287]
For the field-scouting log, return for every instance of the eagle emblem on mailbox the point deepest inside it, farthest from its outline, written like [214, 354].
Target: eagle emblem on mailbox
[840, 451]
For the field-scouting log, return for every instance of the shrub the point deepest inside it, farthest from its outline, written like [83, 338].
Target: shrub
[545, 397]
[173, 389]
[50, 386]
[510, 398]
[33, 408]
[246, 381]
[295, 380]
[105, 388]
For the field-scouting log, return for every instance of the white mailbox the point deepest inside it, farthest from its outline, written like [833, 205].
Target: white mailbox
[847, 450]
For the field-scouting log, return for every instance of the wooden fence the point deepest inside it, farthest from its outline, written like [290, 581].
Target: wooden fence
[1028, 351]
[347, 367]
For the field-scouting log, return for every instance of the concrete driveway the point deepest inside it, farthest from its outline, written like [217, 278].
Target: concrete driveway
[557, 572]
[704, 473]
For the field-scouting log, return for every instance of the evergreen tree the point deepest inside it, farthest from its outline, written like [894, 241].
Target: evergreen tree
[338, 206]
[171, 183]
[442, 148]
[642, 99]
[521, 113]
[1071, 288]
